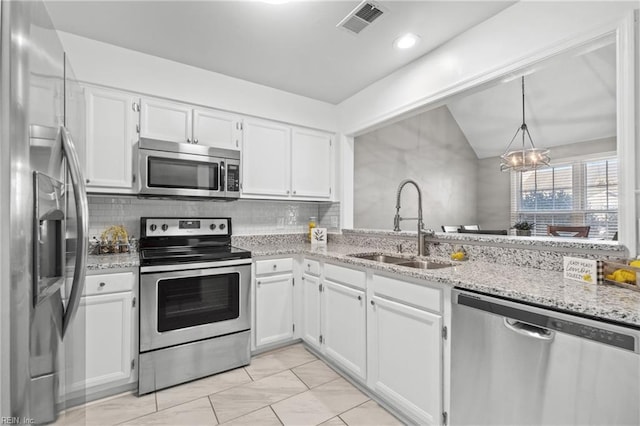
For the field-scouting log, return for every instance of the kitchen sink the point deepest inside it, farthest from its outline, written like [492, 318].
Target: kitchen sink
[380, 258]
[402, 261]
[424, 264]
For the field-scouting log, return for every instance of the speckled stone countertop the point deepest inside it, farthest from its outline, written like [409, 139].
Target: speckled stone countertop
[112, 261]
[535, 286]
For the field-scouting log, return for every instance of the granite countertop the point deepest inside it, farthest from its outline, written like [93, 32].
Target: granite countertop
[112, 261]
[535, 286]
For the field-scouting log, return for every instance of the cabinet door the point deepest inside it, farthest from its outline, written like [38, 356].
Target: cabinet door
[111, 134]
[216, 128]
[266, 159]
[406, 358]
[102, 337]
[311, 164]
[167, 121]
[274, 309]
[311, 309]
[344, 327]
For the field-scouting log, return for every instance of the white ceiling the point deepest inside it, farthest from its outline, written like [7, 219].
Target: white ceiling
[570, 100]
[293, 46]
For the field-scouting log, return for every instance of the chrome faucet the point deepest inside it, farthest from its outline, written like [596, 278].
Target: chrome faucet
[397, 219]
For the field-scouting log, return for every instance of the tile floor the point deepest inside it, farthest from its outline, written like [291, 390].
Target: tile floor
[287, 386]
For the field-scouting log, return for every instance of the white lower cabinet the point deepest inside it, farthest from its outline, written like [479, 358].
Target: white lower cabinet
[311, 290]
[405, 358]
[344, 327]
[102, 339]
[273, 302]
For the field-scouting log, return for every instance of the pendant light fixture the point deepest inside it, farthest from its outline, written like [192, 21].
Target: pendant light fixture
[524, 159]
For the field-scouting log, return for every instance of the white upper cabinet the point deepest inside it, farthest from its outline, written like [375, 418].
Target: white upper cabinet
[110, 137]
[266, 149]
[216, 129]
[311, 164]
[182, 123]
[281, 161]
[167, 121]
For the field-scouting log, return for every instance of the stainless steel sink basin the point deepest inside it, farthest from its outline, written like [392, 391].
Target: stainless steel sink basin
[402, 261]
[424, 264]
[380, 258]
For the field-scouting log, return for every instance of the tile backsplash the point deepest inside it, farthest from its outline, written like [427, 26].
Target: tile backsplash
[248, 216]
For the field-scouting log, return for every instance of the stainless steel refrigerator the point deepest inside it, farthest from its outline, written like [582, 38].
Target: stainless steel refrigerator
[44, 213]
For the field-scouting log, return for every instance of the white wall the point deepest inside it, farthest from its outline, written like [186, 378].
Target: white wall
[429, 148]
[109, 65]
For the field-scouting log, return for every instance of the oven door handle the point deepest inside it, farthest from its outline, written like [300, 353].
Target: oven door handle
[204, 265]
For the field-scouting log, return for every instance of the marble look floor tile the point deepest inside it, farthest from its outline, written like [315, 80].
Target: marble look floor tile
[198, 412]
[263, 417]
[315, 373]
[204, 387]
[244, 399]
[319, 404]
[335, 421]
[369, 414]
[110, 411]
[282, 359]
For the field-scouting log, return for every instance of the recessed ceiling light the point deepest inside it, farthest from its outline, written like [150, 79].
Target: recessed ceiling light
[406, 41]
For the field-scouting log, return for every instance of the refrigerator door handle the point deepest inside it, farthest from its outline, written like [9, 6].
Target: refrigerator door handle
[82, 220]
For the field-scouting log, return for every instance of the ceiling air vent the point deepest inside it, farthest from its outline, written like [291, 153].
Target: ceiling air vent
[361, 17]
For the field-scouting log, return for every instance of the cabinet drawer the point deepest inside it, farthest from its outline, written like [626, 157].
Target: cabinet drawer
[352, 277]
[413, 294]
[311, 267]
[108, 283]
[274, 265]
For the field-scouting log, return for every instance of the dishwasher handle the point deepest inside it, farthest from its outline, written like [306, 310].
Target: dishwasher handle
[529, 330]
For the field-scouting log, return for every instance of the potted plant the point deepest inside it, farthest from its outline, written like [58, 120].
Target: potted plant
[523, 228]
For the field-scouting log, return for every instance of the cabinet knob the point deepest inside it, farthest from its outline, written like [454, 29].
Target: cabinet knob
[287, 191]
[259, 282]
[359, 297]
[88, 181]
[373, 303]
[294, 192]
[195, 141]
[308, 265]
[275, 267]
[188, 140]
[102, 284]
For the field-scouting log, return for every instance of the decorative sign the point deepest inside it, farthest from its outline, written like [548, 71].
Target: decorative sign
[319, 237]
[581, 269]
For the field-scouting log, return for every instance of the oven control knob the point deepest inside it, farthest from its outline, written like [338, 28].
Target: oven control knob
[165, 226]
[212, 226]
[222, 226]
[153, 227]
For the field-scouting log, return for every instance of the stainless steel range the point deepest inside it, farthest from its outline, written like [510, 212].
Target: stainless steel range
[194, 301]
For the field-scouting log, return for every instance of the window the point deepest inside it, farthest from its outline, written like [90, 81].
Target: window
[572, 194]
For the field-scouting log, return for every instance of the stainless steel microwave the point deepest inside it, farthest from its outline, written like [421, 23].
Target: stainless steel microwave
[171, 169]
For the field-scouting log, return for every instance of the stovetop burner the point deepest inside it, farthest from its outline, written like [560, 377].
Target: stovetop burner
[167, 241]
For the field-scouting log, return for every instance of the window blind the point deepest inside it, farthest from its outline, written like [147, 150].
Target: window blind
[572, 194]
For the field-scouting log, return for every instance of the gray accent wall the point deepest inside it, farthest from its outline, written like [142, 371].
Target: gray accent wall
[430, 148]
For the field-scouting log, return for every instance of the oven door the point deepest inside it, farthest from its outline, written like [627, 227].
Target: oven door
[185, 306]
[180, 174]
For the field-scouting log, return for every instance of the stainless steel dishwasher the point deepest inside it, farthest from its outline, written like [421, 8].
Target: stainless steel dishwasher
[515, 364]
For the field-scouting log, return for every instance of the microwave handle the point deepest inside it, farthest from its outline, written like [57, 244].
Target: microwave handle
[223, 175]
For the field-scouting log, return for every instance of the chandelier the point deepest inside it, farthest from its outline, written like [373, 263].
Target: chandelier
[524, 159]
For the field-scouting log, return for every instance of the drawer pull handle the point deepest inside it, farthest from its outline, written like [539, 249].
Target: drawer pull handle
[102, 284]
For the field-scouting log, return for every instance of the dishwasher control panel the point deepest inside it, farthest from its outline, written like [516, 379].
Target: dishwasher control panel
[597, 334]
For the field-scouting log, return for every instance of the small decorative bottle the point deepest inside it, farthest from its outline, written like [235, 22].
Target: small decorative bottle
[312, 224]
